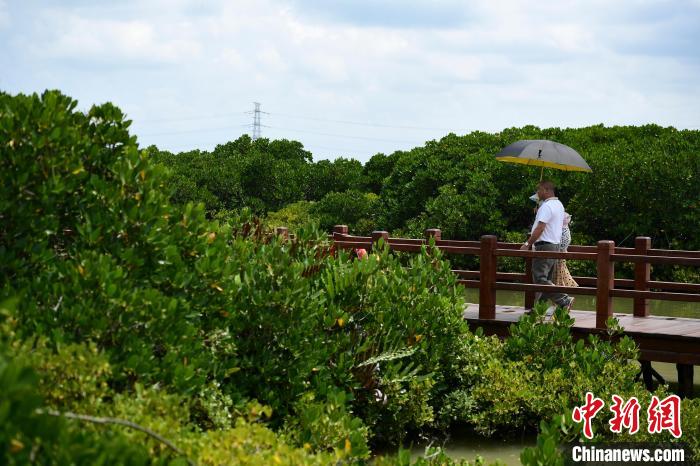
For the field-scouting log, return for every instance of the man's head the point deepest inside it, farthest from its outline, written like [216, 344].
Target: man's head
[545, 190]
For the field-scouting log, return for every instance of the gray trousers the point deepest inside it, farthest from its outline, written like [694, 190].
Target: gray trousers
[542, 270]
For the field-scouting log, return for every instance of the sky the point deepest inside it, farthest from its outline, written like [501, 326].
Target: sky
[353, 78]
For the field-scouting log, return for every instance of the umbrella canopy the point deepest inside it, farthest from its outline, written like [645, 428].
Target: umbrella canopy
[544, 153]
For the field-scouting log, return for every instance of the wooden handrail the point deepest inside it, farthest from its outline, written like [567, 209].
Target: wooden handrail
[675, 286]
[675, 260]
[468, 244]
[575, 252]
[605, 286]
[673, 252]
[474, 274]
[546, 254]
[354, 244]
[406, 241]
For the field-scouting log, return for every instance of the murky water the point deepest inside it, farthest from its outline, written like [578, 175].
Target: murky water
[466, 445]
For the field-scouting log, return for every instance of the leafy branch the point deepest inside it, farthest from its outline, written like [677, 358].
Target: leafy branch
[388, 356]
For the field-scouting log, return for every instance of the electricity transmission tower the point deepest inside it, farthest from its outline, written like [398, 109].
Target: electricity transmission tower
[256, 121]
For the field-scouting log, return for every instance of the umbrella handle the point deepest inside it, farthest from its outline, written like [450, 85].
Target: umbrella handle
[541, 172]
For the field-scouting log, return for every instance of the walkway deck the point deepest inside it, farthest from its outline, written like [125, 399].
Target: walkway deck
[660, 338]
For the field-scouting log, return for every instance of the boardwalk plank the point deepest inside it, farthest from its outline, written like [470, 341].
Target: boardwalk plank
[660, 338]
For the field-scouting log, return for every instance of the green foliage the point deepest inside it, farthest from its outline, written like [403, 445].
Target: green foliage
[326, 177]
[125, 290]
[690, 423]
[376, 171]
[262, 175]
[213, 179]
[457, 185]
[254, 445]
[549, 440]
[466, 215]
[27, 435]
[130, 305]
[292, 216]
[513, 264]
[322, 425]
[105, 257]
[353, 208]
[70, 376]
[541, 370]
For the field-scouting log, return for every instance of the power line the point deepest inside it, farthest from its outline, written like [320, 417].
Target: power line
[311, 147]
[200, 130]
[188, 118]
[287, 115]
[348, 122]
[330, 120]
[346, 136]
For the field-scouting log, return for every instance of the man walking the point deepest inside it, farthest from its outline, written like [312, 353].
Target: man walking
[546, 236]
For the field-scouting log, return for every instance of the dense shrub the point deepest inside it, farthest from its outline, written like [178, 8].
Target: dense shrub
[538, 371]
[262, 175]
[28, 435]
[353, 208]
[327, 176]
[120, 290]
[293, 216]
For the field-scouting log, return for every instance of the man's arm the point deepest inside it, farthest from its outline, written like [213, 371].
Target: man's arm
[534, 236]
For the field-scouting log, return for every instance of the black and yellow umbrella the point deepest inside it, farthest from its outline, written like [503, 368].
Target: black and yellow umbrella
[543, 153]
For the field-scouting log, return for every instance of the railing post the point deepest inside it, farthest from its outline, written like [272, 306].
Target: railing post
[605, 283]
[487, 278]
[432, 233]
[642, 275]
[377, 235]
[283, 232]
[529, 295]
[340, 230]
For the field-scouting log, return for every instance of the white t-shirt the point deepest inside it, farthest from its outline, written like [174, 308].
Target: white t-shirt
[551, 213]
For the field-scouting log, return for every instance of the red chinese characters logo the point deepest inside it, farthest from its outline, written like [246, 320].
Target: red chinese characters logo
[665, 415]
[626, 415]
[661, 415]
[587, 412]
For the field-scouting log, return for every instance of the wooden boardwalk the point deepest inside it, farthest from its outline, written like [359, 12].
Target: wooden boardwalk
[664, 339]
[660, 338]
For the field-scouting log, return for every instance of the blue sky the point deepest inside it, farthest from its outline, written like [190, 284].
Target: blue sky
[354, 78]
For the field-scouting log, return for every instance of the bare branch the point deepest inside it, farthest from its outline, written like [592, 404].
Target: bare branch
[121, 422]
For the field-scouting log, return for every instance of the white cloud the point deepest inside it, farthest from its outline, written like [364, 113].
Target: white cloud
[81, 38]
[495, 64]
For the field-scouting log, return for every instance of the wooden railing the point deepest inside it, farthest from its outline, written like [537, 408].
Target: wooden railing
[604, 286]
